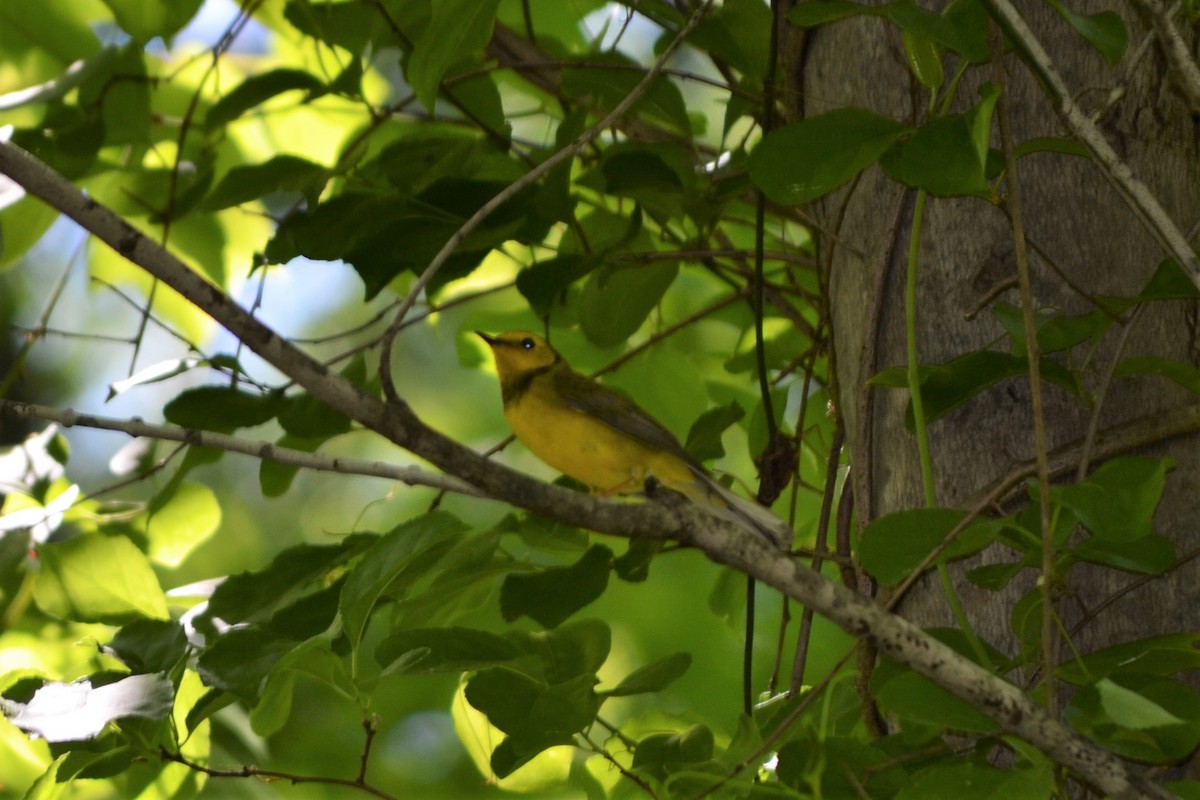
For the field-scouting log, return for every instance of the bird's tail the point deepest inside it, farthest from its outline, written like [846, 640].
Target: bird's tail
[757, 517]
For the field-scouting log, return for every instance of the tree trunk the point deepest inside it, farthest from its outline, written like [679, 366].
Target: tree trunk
[1075, 221]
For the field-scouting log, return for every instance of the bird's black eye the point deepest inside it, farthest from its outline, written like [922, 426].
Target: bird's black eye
[527, 343]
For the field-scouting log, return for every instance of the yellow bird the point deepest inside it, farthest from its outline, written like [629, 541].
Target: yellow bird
[601, 438]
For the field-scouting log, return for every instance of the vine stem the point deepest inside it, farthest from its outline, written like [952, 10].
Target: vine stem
[1033, 353]
[918, 407]
[910, 342]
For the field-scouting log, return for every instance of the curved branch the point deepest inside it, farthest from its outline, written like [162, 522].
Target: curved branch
[721, 540]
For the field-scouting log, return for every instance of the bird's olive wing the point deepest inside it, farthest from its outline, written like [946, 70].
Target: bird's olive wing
[616, 411]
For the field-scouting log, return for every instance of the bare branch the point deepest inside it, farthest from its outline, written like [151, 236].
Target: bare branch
[69, 418]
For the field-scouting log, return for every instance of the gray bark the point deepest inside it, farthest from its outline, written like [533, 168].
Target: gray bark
[967, 248]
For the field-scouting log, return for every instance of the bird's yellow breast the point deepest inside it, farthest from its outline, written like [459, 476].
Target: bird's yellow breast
[585, 448]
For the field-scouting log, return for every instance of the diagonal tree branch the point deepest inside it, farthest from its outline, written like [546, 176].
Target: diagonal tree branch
[722, 541]
[1137, 195]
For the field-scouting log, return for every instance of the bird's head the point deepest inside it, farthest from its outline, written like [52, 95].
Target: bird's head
[519, 352]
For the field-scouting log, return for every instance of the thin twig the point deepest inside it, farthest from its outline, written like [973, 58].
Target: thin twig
[412, 476]
[270, 774]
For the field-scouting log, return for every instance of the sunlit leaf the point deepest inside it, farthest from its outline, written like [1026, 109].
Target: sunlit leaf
[68, 712]
[97, 578]
[457, 29]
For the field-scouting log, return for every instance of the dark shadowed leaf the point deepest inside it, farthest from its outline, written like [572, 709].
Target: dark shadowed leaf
[387, 561]
[257, 89]
[805, 160]
[426, 651]
[704, 437]
[551, 595]
[579, 647]
[1104, 31]
[653, 677]
[894, 545]
[219, 408]
[284, 173]
[149, 645]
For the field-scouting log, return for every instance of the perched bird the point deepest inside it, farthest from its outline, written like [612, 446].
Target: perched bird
[601, 438]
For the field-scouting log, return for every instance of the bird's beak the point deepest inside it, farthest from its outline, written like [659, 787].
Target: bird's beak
[491, 340]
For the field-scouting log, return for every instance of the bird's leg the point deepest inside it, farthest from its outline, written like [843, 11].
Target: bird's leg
[639, 476]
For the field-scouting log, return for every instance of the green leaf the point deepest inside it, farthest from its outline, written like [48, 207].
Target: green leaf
[240, 660]
[257, 89]
[1180, 372]
[1157, 655]
[924, 61]
[580, 647]
[144, 21]
[457, 30]
[1139, 716]
[304, 416]
[545, 283]
[387, 560]
[178, 521]
[1055, 332]
[704, 437]
[977, 781]
[634, 564]
[550, 595]
[1150, 555]
[121, 92]
[219, 408]
[800, 162]
[962, 31]
[96, 578]
[661, 754]
[427, 651]
[606, 79]
[292, 573]
[737, 33]
[251, 182]
[914, 697]
[940, 157]
[1169, 282]
[1104, 31]
[894, 545]
[1117, 501]
[945, 387]
[535, 715]
[1129, 709]
[1051, 144]
[616, 300]
[149, 645]
[653, 677]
